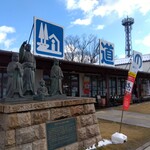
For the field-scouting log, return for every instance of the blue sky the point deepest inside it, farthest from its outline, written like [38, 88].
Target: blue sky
[99, 17]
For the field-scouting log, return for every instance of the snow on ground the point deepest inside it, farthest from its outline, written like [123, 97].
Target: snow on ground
[101, 143]
[116, 138]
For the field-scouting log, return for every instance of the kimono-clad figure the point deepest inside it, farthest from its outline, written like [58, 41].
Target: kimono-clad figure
[56, 77]
[29, 65]
[15, 74]
[42, 90]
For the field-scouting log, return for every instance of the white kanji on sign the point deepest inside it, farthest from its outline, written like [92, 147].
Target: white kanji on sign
[129, 86]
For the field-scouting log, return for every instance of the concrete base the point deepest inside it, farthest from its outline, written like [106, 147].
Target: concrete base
[23, 125]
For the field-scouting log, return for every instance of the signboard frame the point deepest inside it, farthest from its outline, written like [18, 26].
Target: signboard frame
[107, 53]
[48, 39]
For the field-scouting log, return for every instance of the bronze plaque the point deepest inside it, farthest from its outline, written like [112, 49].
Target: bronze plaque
[61, 133]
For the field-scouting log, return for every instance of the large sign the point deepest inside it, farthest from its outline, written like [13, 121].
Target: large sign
[48, 39]
[106, 53]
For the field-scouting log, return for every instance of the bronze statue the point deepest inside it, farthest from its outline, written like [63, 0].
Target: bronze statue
[56, 77]
[29, 65]
[15, 74]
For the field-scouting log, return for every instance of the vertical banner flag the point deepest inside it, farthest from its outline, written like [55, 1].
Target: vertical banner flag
[106, 53]
[131, 78]
[48, 39]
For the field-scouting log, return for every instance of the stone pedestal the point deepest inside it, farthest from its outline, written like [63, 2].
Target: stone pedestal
[23, 125]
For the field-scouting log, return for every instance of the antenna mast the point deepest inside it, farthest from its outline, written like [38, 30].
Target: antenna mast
[127, 23]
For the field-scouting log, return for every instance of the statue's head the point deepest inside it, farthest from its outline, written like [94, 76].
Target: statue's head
[56, 62]
[28, 47]
[42, 82]
[15, 57]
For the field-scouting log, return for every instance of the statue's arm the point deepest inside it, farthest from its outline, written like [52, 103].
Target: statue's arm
[20, 69]
[10, 70]
[21, 51]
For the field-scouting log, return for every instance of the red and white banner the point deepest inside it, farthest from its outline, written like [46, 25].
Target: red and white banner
[126, 101]
[129, 85]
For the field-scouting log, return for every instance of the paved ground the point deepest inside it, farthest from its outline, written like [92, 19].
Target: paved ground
[131, 118]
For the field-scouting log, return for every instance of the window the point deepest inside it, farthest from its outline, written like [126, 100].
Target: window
[94, 86]
[121, 86]
[71, 84]
[112, 86]
[98, 86]
[86, 86]
[102, 87]
[145, 87]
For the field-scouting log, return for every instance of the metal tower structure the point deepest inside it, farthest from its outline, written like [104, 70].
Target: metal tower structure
[127, 23]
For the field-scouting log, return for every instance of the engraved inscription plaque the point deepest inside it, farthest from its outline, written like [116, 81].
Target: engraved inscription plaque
[61, 133]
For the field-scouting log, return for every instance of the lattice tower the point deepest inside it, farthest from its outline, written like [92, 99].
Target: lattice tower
[127, 23]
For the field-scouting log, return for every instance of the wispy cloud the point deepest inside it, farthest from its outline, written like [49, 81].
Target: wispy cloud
[6, 29]
[145, 41]
[4, 40]
[84, 5]
[71, 4]
[147, 21]
[79, 21]
[120, 8]
[100, 27]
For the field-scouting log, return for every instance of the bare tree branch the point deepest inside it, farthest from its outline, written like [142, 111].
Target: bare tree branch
[72, 44]
[84, 49]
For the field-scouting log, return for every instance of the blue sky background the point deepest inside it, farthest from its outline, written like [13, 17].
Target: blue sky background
[99, 17]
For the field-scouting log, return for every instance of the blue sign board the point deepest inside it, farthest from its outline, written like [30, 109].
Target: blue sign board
[106, 53]
[48, 39]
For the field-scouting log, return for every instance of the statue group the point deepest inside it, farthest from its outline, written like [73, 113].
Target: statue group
[21, 76]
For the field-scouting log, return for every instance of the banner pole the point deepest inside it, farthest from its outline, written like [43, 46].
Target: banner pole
[30, 33]
[121, 121]
[99, 51]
